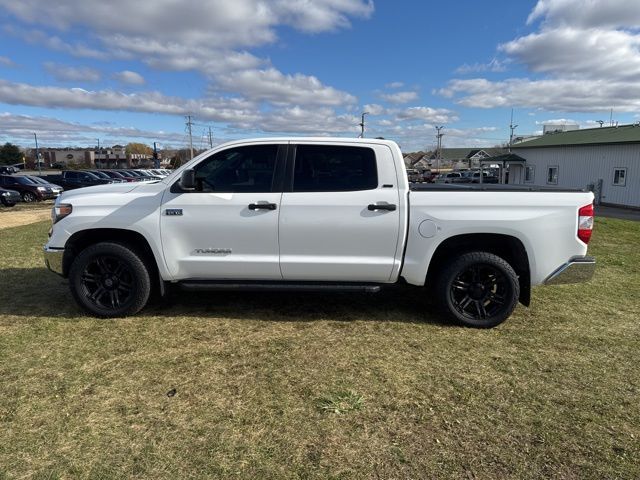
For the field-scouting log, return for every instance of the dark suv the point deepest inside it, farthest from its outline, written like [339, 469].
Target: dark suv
[29, 190]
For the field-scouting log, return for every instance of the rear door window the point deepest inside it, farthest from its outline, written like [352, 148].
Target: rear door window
[324, 168]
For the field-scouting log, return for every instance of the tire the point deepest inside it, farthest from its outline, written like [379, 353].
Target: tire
[479, 289]
[8, 204]
[28, 197]
[110, 280]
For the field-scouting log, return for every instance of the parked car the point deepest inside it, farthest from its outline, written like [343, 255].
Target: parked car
[329, 214]
[29, 190]
[57, 189]
[118, 176]
[451, 177]
[474, 177]
[9, 198]
[414, 175]
[102, 174]
[71, 179]
[8, 170]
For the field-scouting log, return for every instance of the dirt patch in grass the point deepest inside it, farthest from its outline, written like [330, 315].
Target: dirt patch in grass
[23, 217]
[236, 385]
[18, 216]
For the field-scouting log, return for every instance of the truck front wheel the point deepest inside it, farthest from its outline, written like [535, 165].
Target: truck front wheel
[479, 289]
[110, 280]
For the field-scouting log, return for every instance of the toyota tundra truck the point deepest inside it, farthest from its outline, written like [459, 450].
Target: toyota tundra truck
[309, 214]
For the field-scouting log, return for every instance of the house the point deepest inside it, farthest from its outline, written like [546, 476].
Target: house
[603, 159]
[418, 161]
[464, 157]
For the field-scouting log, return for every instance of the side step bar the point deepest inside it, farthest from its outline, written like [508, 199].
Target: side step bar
[207, 285]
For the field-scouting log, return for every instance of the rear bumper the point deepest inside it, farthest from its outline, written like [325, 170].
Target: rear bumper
[576, 270]
[53, 259]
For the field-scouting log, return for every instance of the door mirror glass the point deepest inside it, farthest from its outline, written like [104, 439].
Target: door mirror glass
[188, 180]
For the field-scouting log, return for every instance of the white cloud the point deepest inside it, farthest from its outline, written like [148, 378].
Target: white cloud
[394, 85]
[67, 73]
[218, 109]
[399, 97]
[570, 95]
[210, 36]
[587, 13]
[6, 62]
[129, 77]
[428, 114]
[273, 86]
[588, 54]
[52, 131]
[494, 65]
[375, 109]
[587, 51]
[53, 42]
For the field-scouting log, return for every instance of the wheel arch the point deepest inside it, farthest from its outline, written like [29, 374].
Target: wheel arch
[135, 240]
[507, 247]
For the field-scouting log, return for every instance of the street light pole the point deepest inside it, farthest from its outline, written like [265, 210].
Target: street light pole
[37, 154]
[439, 147]
[362, 125]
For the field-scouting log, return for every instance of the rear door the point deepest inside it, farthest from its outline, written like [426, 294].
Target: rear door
[228, 227]
[339, 216]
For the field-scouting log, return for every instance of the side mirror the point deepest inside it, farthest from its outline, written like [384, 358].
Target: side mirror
[188, 180]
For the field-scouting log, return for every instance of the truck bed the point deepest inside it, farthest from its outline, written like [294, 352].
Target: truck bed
[488, 187]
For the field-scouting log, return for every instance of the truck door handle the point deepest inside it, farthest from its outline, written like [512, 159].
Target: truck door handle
[262, 206]
[384, 206]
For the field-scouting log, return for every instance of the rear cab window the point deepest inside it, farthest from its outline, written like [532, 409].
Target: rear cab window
[334, 168]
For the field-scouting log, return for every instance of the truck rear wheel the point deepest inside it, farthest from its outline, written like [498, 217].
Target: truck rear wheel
[479, 289]
[110, 280]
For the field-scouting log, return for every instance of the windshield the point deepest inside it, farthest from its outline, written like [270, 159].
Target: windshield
[100, 174]
[39, 180]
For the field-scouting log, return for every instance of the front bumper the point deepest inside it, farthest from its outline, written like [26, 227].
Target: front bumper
[53, 259]
[576, 270]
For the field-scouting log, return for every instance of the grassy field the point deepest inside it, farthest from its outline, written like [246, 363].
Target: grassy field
[320, 386]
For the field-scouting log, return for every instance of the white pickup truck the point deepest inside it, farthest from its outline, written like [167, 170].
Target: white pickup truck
[317, 214]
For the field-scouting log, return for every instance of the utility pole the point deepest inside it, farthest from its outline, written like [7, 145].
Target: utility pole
[439, 147]
[156, 160]
[37, 154]
[512, 127]
[362, 125]
[210, 138]
[189, 125]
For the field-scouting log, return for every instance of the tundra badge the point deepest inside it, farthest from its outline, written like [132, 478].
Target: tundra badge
[173, 211]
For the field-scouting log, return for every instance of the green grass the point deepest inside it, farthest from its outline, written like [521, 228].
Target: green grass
[320, 386]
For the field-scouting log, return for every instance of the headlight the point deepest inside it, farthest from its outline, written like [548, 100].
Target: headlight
[41, 189]
[58, 212]
[5, 194]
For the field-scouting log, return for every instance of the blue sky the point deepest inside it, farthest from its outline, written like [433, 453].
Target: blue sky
[76, 71]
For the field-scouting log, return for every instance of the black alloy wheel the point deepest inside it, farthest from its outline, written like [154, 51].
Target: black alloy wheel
[110, 280]
[479, 289]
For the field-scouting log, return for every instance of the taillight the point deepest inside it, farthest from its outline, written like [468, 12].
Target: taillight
[585, 223]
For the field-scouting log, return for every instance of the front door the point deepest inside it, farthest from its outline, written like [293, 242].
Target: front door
[228, 227]
[341, 218]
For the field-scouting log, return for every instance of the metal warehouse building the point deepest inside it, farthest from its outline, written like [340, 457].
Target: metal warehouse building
[605, 159]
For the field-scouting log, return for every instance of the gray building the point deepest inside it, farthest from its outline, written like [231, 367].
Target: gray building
[605, 159]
